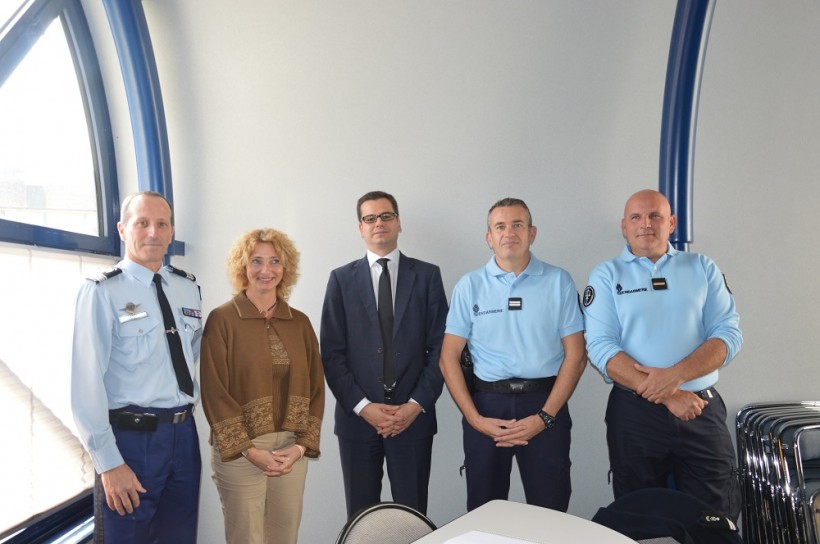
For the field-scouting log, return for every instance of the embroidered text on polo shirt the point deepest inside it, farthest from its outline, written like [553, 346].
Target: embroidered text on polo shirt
[477, 311]
[621, 291]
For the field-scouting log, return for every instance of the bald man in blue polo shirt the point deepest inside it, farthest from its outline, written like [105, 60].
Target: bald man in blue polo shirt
[521, 320]
[660, 323]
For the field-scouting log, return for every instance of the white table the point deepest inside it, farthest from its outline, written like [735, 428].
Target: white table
[526, 522]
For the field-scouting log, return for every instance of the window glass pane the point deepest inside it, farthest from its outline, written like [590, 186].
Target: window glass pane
[43, 461]
[7, 9]
[46, 165]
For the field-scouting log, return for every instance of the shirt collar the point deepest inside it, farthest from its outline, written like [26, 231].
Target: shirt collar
[534, 267]
[143, 275]
[628, 256]
[246, 309]
[393, 256]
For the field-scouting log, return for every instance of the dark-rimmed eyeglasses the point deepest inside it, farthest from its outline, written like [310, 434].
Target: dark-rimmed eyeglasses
[385, 217]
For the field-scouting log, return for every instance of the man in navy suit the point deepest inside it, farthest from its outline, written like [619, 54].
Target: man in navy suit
[386, 385]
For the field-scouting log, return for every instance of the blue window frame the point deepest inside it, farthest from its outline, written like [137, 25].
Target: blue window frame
[16, 40]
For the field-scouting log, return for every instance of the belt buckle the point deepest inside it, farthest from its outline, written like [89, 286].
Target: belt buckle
[388, 392]
[179, 417]
[516, 386]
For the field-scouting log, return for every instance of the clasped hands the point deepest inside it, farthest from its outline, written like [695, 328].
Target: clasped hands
[390, 419]
[276, 462]
[123, 488]
[508, 433]
[660, 385]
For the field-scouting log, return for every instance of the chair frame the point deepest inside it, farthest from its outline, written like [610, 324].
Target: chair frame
[776, 493]
[353, 521]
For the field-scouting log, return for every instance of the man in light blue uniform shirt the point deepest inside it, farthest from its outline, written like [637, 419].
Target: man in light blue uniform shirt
[659, 324]
[131, 398]
[522, 322]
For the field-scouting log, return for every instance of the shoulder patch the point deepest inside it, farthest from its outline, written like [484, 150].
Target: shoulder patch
[589, 295]
[180, 272]
[105, 275]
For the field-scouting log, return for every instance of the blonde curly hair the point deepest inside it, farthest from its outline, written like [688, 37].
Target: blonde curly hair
[243, 248]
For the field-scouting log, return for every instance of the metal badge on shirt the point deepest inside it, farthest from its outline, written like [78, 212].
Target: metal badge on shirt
[131, 313]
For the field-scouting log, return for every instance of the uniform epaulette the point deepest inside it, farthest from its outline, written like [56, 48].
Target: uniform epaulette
[180, 272]
[107, 274]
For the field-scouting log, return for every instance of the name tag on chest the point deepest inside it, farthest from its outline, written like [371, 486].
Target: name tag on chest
[659, 284]
[131, 317]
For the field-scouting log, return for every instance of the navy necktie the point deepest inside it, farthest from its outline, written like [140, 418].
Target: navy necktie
[386, 323]
[186, 384]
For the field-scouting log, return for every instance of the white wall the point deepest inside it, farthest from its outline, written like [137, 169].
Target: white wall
[282, 114]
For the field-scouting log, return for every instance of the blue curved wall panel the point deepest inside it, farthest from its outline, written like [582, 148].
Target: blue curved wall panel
[139, 72]
[687, 50]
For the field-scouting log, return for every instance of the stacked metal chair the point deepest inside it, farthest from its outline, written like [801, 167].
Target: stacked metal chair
[778, 445]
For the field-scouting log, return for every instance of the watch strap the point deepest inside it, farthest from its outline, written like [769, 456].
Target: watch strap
[549, 421]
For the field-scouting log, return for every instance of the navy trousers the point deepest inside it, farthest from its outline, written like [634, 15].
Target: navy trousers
[408, 468]
[168, 465]
[647, 444]
[544, 463]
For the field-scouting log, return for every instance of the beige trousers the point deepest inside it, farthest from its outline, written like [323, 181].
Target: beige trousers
[259, 509]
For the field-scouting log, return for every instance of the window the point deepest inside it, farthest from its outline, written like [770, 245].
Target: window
[47, 466]
[57, 175]
[57, 190]
[42, 111]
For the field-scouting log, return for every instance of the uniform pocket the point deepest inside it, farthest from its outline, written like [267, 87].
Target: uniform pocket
[191, 327]
[137, 338]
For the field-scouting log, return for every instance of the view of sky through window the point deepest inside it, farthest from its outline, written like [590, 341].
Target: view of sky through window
[46, 165]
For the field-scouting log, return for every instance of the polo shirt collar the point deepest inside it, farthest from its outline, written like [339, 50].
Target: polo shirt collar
[628, 256]
[534, 268]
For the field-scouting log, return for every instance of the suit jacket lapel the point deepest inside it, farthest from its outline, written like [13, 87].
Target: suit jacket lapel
[404, 288]
[364, 285]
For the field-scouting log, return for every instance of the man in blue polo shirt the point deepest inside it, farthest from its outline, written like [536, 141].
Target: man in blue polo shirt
[521, 320]
[660, 323]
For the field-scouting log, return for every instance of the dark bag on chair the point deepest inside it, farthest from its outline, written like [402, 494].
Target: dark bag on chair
[467, 369]
[654, 513]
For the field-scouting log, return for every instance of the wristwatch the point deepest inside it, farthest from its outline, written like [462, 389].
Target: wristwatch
[549, 421]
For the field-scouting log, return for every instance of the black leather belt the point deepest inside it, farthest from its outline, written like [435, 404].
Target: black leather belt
[129, 420]
[706, 394]
[515, 385]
